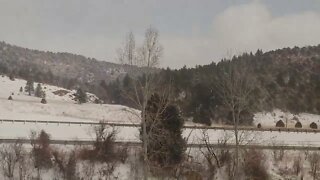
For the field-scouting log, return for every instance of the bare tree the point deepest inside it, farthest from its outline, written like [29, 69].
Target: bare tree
[88, 170]
[10, 156]
[66, 164]
[127, 54]
[314, 160]
[148, 57]
[216, 158]
[235, 85]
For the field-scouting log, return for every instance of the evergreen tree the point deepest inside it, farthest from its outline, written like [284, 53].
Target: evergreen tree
[21, 89]
[11, 77]
[43, 101]
[81, 96]
[39, 92]
[29, 88]
[164, 127]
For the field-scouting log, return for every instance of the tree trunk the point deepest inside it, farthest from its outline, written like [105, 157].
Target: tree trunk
[236, 164]
[145, 146]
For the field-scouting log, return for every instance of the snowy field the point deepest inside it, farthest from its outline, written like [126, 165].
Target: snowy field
[60, 107]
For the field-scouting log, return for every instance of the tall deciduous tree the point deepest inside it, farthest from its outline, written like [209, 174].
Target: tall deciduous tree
[235, 86]
[147, 57]
[127, 54]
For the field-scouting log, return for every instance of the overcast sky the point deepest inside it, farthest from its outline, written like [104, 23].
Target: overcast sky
[191, 31]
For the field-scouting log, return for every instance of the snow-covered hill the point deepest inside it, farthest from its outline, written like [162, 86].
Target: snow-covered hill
[60, 106]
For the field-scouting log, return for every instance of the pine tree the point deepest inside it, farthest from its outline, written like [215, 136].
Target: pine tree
[11, 77]
[29, 87]
[39, 92]
[81, 96]
[21, 89]
[164, 127]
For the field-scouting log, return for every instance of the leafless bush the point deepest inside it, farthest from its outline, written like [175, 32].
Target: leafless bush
[297, 165]
[105, 149]
[88, 170]
[25, 171]
[107, 171]
[278, 154]
[10, 156]
[66, 163]
[215, 157]
[254, 167]
[136, 164]
[314, 160]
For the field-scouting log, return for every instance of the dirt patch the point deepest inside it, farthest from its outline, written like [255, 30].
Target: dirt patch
[60, 92]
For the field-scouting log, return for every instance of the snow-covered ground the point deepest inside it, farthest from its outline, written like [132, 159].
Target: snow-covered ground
[269, 119]
[60, 106]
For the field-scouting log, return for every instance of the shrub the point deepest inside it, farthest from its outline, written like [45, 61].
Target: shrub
[10, 98]
[314, 160]
[313, 125]
[280, 123]
[298, 125]
[43, 101]
[254, 167]
[10, 156]
[259, 126]
[66, 164]
[104, 149]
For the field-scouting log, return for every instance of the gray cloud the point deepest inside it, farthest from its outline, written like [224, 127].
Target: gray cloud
[191, 32]
[245, 28]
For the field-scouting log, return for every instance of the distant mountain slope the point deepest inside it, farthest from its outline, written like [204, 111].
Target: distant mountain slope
[78, 67]
[287, 79]
[62, 69]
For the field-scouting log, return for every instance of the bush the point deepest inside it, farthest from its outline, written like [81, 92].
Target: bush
[259, 126]
[104, 149]
[280, 123]
[298, 125]
[66, 164]
[10, 98]
[43, 101]
[313, 125]
[254, 167]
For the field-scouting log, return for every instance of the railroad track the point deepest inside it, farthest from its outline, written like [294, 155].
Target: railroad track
[191, 145]
[125, 124]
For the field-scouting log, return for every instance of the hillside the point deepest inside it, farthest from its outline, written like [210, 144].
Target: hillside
[59, 107]
[61, 69]
[287, 79]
